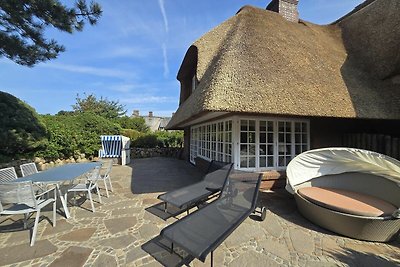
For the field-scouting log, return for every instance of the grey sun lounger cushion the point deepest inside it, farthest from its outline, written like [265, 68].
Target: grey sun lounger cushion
[211, 183]
[205, 229]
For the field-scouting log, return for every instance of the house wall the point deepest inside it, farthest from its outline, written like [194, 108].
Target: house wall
[328, 132]
[186, 143]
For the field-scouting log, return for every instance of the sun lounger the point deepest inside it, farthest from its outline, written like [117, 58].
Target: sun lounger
[204, 230]
[194, 194]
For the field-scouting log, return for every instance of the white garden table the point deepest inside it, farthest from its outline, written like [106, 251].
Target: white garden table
[61, 174]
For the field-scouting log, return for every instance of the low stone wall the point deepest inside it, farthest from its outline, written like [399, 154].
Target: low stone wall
[172, 152]
[42, 164]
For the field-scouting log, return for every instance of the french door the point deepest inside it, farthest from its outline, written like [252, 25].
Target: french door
[270, 143]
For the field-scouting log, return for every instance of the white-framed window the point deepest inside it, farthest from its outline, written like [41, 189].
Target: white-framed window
[266, 144]
[269, 143]
[194, 143]
[251, 143]
[285, 155]
[212, 141]
[228, 140]
[247, 144]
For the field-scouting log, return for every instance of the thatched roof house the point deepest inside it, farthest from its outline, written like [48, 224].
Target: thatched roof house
[155, 123]
[257, 63]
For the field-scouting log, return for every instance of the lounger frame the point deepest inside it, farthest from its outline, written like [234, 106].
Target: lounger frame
[203, 193]
[200, 216]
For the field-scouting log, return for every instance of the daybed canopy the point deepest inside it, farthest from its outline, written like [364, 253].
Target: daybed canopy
[328, 161]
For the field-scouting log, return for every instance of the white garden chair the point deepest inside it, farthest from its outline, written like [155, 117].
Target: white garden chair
[28, 169]
[21, 199]
[8, 175]
[88, 187]
[106, 177]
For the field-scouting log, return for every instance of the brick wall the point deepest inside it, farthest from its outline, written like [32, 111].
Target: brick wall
[286, 8]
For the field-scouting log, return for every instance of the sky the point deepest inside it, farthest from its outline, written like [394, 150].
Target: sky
[134, 53]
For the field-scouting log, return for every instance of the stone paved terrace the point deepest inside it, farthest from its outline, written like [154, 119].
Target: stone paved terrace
[120, 231]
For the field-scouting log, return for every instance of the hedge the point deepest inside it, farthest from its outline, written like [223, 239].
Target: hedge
[71, 135]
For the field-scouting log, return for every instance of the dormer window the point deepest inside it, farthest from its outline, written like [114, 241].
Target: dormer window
[194, 83]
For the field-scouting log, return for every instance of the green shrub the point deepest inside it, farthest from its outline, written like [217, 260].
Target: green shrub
[73, 134]
[132, 134]
[158, 139]
[147, 141]
[137, 123]
[170, 139]
[22, 132]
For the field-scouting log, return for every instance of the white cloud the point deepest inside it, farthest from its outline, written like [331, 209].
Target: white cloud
[164, 14]
[165, 57]
[126, 51]
[104, 72]
[123, 88]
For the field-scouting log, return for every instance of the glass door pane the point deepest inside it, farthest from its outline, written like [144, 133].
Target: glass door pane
[247, 143]
[266, 144]
[284, 143]
[300, 137]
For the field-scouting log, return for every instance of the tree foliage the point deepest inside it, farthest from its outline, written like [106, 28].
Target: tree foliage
[106, 108]
[22, 132]
[23, 22]
[135, 123]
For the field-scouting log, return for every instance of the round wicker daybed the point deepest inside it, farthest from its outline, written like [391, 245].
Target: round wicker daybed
[352, 192]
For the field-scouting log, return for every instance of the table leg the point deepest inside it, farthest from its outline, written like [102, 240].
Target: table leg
[63, 202]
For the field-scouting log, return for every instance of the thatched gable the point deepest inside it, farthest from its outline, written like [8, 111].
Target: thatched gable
[372, 38]
[257, 62]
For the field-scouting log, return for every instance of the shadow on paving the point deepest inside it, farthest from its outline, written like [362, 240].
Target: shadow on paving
[357, 258]
[160, 249]
[151, 175]
[159, 211]
[282, 203]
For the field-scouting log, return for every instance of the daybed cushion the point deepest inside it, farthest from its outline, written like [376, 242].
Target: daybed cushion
[347, 201]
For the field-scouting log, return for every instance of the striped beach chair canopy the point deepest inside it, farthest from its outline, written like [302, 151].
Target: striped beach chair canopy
[113, 145]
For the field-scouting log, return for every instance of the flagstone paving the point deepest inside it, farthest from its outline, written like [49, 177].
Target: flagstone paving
[122, 233]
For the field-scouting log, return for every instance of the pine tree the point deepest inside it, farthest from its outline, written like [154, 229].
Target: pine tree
[23, 22]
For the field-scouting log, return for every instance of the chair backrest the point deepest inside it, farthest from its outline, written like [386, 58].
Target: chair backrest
[217, 177]
[8, 175]
[216, 165]
[241, 189]
[112, 145]
[28, 169]
[94, 175]
[109, 167]
[18, 193]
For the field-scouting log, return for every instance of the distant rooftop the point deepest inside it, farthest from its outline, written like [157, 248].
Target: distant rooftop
[155, 123]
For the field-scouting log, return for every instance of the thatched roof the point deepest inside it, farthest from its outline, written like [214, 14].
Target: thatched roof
[257, 62]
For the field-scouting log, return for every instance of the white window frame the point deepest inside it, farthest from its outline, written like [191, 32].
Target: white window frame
[275, 136]
[203, 139]
[201, 143]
